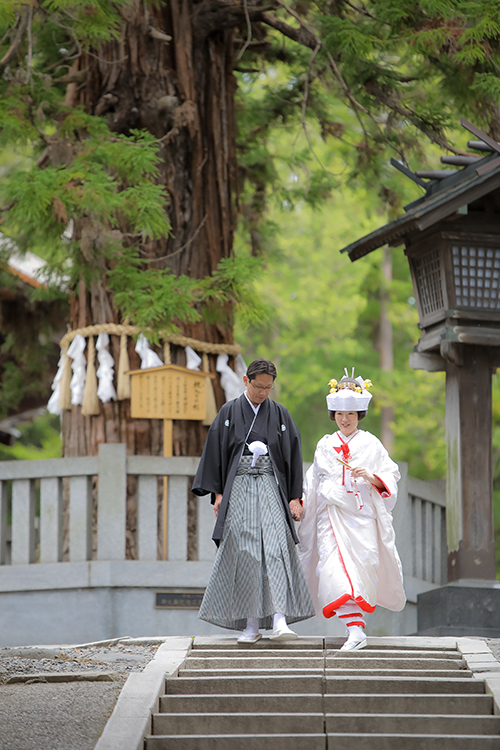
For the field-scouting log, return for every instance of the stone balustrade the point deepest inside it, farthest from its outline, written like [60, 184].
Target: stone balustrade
[420, 523]
[86, 561]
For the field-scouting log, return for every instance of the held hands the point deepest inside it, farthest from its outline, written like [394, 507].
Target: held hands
[296, 509]
[358, 472]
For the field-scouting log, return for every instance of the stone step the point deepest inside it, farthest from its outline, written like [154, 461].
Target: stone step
[292, 670]
[393, 662]
[229, 642]
[312, 703]
[313, 684]
[251, 684]
[412, 724]
[416, 685]
[391, 643]
[243, 723]
[255, 651]
[410, 703]
[277, 662]
[442, 673]
[265, 662]
[412, 742]
[269, 653]
[240, 671]
[395, 643]
[374, 653]
[238, 742]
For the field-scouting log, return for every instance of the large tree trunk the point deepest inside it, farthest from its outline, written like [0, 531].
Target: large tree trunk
[184, 88]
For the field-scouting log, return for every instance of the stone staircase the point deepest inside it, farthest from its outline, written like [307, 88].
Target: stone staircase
[307, 695]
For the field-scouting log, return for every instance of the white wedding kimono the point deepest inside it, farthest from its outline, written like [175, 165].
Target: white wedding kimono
[347, 543]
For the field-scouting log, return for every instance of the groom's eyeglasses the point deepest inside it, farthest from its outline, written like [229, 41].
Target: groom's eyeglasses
[262, 388]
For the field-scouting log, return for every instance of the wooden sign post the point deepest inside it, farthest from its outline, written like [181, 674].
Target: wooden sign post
[168, 392]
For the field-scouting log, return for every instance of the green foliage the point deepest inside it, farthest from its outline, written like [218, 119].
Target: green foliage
[233, 282]
[486, 84]
[325, 314]
[407, 68]
[26, 353]
[158, 300]
[105, 183]
[40, 438]
[412, 69]
[109, 180]
[92, 21]
[150, 298]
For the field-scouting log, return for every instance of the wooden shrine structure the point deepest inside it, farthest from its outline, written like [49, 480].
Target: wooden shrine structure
[452, 241]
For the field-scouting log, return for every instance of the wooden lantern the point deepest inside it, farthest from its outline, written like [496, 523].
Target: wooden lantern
[452, 242]
[456, 279]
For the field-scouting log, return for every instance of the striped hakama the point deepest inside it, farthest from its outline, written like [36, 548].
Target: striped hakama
[256, 572]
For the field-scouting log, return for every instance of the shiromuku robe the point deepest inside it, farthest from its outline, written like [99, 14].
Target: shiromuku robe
[346, 538]
[226, 442]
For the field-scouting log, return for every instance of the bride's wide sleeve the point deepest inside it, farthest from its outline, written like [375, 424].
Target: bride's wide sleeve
[308, 546]
[387, 471]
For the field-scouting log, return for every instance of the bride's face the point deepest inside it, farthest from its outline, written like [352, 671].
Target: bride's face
[347, 422]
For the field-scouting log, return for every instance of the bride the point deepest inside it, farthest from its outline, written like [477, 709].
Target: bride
[347, 542]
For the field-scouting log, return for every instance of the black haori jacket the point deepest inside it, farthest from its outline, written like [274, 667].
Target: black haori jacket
[225, 445]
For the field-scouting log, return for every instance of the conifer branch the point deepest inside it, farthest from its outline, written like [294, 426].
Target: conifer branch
[23, 25]
[375, 90]
[305, 36]
[249, 30]
[302, 36]
[304, 107]
[362, 11]
[186, 244]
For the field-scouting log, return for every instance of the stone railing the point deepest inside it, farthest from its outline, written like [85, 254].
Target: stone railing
[66, 567]
[420, 523]
[31, 508]
[31, 513]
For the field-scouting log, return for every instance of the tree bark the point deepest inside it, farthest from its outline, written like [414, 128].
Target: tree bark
[182, 89]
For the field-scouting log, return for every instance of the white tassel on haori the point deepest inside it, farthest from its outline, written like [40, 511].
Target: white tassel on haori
[193, 360]
[79, 366]
[231, 382]
[257, 448]
[147, 355]
[105, 373]
[54, 406]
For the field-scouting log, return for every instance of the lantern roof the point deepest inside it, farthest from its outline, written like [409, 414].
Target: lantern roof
[447, 191]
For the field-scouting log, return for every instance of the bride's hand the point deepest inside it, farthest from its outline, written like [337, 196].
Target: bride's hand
[296, 509]
[359, 472]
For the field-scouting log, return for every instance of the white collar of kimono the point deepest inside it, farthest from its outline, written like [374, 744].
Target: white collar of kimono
[346, 438]
[255, 408]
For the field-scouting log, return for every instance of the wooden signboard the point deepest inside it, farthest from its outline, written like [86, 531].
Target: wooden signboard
[168, 392]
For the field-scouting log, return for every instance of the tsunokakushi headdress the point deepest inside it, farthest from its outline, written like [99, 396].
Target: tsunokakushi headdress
[349, 394]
